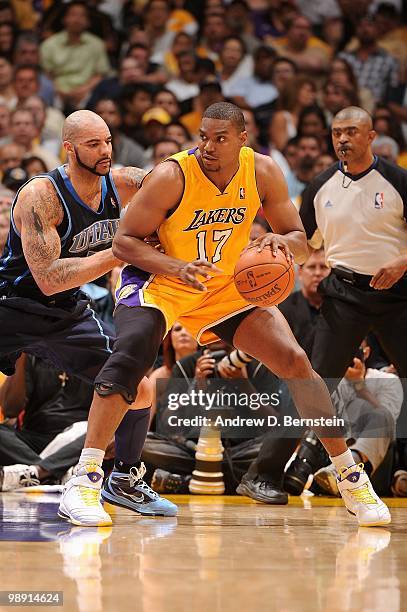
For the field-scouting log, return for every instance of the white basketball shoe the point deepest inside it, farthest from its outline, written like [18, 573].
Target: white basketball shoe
[17, 476]
[80, 502]
[360, 497]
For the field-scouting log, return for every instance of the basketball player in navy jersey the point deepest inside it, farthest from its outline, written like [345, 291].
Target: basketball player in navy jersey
[61, 231]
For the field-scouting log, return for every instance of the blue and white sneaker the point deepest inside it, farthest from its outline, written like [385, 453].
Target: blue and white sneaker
[130, 491]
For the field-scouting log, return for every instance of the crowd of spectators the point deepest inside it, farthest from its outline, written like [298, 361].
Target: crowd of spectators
[150, 68]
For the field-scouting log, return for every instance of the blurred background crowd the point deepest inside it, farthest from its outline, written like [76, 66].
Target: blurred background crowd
[150, 68]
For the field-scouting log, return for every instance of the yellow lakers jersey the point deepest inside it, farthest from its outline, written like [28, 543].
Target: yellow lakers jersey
[209, 224]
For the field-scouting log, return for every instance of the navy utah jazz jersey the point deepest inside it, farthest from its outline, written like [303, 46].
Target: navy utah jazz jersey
[83, 232]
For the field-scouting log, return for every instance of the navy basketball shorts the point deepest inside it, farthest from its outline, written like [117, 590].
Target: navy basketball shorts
[68, 335]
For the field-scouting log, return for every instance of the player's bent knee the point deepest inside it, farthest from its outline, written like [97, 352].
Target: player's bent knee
[124, 373]
[297, 364]
[139, 334]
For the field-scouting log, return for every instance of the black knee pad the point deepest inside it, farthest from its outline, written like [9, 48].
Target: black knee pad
[139, 333]
[104, 389]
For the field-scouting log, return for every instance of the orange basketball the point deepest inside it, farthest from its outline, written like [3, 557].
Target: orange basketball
[262, 279]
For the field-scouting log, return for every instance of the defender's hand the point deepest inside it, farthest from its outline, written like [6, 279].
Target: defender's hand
[199, 267]
[275, 242]
[389, 274]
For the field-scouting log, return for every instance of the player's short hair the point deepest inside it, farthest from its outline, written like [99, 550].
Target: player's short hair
[226, 111]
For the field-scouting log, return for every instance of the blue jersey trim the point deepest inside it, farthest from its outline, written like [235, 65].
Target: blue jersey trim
[116, 193]
[19, 278]
[12, 216]
[15, 201]
[71, 189]
[9, 256]
[65, 205]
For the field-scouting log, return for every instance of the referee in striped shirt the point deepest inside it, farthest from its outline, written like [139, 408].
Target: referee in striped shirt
[358, 207]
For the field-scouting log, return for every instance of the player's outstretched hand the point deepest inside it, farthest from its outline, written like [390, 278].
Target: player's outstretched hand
[389, 274]
[188, 273]
[275, 242]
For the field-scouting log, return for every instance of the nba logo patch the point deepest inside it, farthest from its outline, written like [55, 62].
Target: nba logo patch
[379, 200]
[241, 193]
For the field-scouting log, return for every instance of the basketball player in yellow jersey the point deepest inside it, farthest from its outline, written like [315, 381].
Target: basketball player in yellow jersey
[203, 202]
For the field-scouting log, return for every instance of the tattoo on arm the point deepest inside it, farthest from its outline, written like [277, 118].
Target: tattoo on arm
[41, 212]
[62, 272]
[132, 176]
[38, 225]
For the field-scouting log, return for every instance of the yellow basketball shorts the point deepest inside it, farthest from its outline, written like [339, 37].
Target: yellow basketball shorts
[196, 310]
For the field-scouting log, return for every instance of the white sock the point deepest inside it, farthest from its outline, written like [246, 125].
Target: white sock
[91, 455]
[344, 460]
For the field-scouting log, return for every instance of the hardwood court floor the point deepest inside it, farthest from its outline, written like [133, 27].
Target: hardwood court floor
[219, 554]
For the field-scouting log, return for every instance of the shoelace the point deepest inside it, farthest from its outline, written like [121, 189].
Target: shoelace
[265, 484]
[89, 495]
[28, 480]
[363, 495]
[137, 473]
[136, 478]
